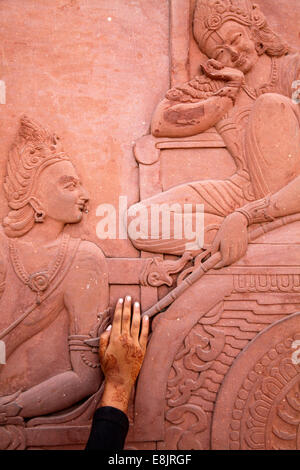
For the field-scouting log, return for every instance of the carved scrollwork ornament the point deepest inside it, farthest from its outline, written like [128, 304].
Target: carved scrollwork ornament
[158, 271]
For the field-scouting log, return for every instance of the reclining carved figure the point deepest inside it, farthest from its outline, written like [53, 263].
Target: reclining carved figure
[245, 90]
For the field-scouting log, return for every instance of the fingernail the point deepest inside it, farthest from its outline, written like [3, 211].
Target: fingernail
[128, 298]
[121, 301]
[137, 304]
[108, 328]
[146, 318]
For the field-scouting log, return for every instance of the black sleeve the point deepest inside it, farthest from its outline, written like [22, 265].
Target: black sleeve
[109, 429]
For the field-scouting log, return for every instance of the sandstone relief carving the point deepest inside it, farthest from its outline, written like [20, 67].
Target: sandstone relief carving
[54, 295]
[244, 90]
[224, 142]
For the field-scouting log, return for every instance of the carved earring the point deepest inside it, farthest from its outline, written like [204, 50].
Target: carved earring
[260, 48]
[39, 216]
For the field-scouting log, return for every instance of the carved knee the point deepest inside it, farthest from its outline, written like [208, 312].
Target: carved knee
[268, 100]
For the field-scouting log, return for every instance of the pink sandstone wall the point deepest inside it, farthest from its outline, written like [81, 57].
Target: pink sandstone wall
[93, 71]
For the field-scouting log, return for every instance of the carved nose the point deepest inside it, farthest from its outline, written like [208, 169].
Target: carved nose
[84, 195]
[234, 54]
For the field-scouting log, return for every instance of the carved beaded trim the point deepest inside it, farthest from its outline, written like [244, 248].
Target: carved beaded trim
[40, 280]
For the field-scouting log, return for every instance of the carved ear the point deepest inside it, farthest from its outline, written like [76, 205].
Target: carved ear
[36, 205]
[260, 47]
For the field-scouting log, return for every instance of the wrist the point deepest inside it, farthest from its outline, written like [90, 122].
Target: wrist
[230, 91]
[234, 84]
[116, 395]
[257, 212]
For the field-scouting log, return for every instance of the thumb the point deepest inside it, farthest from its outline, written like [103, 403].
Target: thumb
[103, 343]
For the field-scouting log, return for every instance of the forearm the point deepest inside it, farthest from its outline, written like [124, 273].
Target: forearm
[287, 200]
[283, 203]
[57, 393]
[187, 119]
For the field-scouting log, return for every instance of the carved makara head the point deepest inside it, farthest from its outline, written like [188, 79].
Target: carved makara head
[33, 181]
[210, 16]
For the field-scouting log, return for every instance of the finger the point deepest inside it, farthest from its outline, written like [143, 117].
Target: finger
[234, 251]
[219, 265]
[144, 333]
[136, 321]
[244, 248]
[240, 252]
[228, 256]
[116, 326]
[216, 64]
[215, 245]
[104, 342]
[126, 317]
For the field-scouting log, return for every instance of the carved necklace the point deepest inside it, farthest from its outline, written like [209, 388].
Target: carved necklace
[38, 281]
[254, 93]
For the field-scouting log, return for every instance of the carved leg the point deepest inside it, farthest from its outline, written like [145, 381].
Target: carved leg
[216, 198]
[272, 143]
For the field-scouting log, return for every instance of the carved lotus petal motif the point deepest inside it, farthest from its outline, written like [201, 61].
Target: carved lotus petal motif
[213, 22]
[38, 282]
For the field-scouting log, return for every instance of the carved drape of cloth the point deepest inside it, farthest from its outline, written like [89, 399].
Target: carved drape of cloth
[28, 341]
[263, 138]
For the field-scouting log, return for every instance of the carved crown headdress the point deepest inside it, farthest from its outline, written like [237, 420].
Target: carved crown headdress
[210, 15]
[35, 149]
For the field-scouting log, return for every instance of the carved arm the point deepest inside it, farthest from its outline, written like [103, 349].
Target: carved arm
[285, 202]
[188, 119]
[86, 295]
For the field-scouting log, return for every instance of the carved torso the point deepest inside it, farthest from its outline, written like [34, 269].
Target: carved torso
[281, 73]
[44, 333]
[48, 320]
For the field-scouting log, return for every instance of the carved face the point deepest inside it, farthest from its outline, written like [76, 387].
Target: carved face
[61, 194]
[232, 46]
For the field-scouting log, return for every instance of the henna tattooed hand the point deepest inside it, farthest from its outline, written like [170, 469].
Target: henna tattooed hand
[122, 349]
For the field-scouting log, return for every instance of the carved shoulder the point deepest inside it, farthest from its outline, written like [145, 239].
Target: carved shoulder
[90, 254]
[89, 267]
[200, 87]
[87, 290]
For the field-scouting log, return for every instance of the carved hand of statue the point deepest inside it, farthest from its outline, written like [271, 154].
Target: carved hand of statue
[104, 320]
[8, 407]
[215, 70]
[231, 239]
[122, 350]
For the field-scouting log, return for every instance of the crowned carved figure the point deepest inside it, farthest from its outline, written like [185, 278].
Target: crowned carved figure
[54, 288]
[245, 90]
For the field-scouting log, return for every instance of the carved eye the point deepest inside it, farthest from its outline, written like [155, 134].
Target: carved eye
[71, 186]
[237, 38]
[220, 53]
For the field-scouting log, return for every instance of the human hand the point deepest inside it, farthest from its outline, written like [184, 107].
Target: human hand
[215, 70]
[122, 349]
[231, 239]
